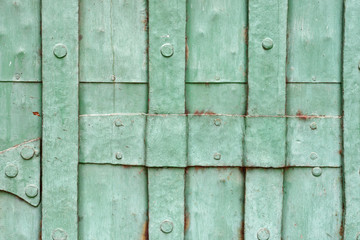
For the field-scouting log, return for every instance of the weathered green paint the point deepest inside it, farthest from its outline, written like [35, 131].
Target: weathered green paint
[214, 203]
[314, 142]
[351, 98]
[166, 141]
[114, 98]
[216, 98]
[263, 203]
[215, 140]
[198, 131]
[312, 205]
[313, 99]
[113, 41]
[211, 41]
[166, 202]
[60, 120]
[112, 202]
[20, 58]
[167, 73]
[122, 139]
[314, 41]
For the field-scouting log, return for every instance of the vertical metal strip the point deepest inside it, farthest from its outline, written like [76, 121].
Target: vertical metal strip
[265, 135]
[351, 85]
[60, 119]
[166, 134]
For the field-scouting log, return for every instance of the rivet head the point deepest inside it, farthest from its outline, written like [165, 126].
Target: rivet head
[167, 50]
[267, 43]
[31, 191]
[166, 226]
[118, 123]
[60, 50]
[113, 78]
[313, 126]
[11, 170]
[217, 156]
[316, 172]
[27, 153]
[313, 156]
[217, 122]
[17, 76]
[59, 234]
[263, 234]
[118, 155]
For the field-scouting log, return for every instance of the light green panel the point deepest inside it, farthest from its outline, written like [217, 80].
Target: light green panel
[18, 220]
[214, 203]
[351, 121]
[112, 202]
[267, 57]
[167, 56]
[263, 203]
[122, 139]
[216, 98]
[312, 205]
[216, 34]
[265, 141]
[166, 141]
[166, 188]
[313, 99]
[215, 140]
[104, 98]
[314, 142]
[314, 41]
[20, 57]
[113, 41]
[20, 105]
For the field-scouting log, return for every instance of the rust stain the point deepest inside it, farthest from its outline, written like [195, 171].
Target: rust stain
[340, 151]
[186, 51]
[126, 166]
[36, 114]
[40, 236]
[145, 231]
[300, 115]
[141, 171]
[241, 231]
[146, 21]
[187, 221]
[204, 113]
[245, 34]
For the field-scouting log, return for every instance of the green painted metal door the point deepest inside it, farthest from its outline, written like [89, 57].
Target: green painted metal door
[179, 119]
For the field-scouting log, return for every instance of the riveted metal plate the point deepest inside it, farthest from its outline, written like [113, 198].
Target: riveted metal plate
[20, 171]
[122, 139]
[314, 142]
[312, 203]
[215, 140]
[166, 141]
[265, 141]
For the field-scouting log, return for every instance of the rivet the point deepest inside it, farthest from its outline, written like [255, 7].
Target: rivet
[217, 156]
[31, 191]
[113, 78]
[313, 126]
[217, 78]
[59, 234]
[27, 153]
[217, 122]
[313, 78]
[313, 156]
[263, 234]
[359, 69]
[167, 50]
[60, 50]
[119, 155]
[358, 237]
[118, 123]
[267, 43]
[166, 226]
[17, 76]
[316, 172]
[11, 170]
